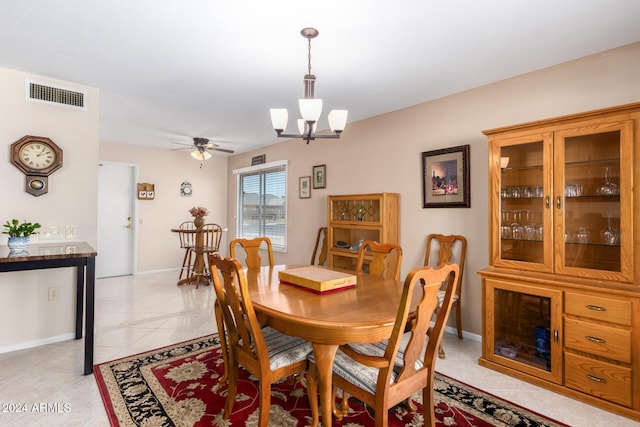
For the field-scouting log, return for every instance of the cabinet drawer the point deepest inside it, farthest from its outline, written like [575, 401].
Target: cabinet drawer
[600, 379]
[605, 341]
[600, 308]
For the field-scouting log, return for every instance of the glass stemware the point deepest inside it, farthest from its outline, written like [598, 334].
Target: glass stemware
[608, 188]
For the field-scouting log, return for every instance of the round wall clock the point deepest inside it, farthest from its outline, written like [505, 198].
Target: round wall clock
[38, 157]
[185, 189]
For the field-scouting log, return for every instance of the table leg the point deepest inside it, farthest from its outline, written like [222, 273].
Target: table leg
[324, 354]
[90, 284]
[79, 300]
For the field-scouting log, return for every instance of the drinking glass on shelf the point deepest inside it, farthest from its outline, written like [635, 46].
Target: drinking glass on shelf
[608, 188]
[610, 235]
[582, 235]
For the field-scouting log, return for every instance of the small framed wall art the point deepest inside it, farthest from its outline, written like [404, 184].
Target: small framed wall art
[320, 176]
[304, 190]
[146, 191]
[445, 178]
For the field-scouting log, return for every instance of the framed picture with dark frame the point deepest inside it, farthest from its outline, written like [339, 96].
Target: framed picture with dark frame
[304, 189]
[320, 176]
[446, 178]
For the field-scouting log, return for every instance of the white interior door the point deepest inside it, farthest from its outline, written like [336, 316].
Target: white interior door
[116, 222]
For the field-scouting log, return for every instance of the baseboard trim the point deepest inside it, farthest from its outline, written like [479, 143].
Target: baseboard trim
[37, 343]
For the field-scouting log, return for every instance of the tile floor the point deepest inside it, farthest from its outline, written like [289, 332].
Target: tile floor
[139, 313]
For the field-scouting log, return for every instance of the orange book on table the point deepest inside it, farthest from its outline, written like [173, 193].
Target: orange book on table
[318, 279]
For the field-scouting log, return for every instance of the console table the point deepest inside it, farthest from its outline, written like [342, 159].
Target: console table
[52, 255]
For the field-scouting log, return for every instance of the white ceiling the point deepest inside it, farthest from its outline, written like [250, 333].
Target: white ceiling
[169, 70]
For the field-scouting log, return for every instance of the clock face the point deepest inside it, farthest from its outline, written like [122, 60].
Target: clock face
[185, 189]
[37, 155]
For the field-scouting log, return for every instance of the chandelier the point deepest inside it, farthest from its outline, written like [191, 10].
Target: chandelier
[310, 107]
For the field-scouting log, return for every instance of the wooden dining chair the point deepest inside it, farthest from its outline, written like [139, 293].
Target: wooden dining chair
[187, 242]
[386, 261]
[442, 249]
[388, 372]
[321, 243]
[266, 353]
[211, 236]
[252, 250]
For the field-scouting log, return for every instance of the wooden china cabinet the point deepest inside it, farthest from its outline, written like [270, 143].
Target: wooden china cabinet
[561, 296]
[356, 217]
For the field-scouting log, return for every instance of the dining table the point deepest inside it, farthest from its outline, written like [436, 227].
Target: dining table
[365, 313]
[199, 273]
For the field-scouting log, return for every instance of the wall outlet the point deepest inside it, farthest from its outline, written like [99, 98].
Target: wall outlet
[70, 232]
[54, 293]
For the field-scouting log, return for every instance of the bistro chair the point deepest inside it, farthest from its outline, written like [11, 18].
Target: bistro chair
[252, 250]
[187, 242]
[388, 372]
[321, 242]
[210, 237]
[386, 262]
[264, 352]
[443, 249]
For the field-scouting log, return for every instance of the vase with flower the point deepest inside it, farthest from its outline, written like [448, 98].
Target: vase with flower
[199, 213]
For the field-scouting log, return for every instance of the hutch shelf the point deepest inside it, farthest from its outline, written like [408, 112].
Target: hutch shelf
[561, 296]
[357, 217]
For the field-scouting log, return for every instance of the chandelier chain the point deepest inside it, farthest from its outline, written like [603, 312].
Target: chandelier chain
[309, 56]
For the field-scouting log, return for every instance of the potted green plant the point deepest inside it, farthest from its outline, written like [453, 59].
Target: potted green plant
[19, 233]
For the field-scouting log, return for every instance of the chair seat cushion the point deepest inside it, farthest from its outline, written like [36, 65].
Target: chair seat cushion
[284, 349]
[441, 298]
[363, 376]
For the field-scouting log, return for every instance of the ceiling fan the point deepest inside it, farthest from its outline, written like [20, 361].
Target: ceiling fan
[201, 147]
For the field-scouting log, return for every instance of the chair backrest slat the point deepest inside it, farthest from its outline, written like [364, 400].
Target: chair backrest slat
[244, 333]
[321, 243]
[386, 259]
[442, 249]
[252, 250]
[211, 236]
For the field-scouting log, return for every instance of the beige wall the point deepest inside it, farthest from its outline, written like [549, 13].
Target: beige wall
[374, 155]
[384, 154]
[25, 312]
[166, 169]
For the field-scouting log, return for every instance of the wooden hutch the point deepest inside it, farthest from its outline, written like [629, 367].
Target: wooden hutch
[355, 217]
[561, 297]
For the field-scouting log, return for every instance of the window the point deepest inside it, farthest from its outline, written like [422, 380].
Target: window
[262, 203]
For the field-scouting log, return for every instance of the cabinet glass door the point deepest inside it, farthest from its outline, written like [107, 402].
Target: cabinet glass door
[523, 213]
[590, 198]
[524, 328]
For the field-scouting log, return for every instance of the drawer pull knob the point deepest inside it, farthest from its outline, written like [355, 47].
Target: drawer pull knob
[596, 340]
[596, 379]
[596, 308]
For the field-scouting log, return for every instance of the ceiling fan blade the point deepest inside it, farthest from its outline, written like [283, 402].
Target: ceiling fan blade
[182, 143]
[224, 150]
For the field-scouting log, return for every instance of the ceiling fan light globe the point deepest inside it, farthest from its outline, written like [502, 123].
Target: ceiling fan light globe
[338, 120]
[279, 118]
[310, 109]
[200, 155]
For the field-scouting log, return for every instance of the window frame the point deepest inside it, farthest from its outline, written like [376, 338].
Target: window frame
[262, 169]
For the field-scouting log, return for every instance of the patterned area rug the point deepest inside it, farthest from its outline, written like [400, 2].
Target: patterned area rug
[179, 386]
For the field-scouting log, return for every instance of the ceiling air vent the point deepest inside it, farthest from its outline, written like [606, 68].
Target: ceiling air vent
[53, 94]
